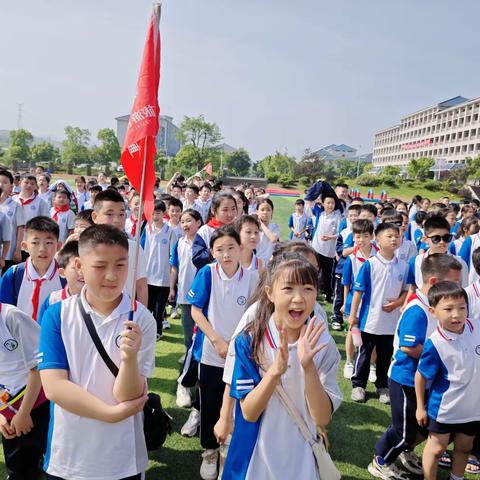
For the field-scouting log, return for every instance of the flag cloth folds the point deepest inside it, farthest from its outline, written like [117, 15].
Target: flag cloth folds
[139, 145]
[208, 169]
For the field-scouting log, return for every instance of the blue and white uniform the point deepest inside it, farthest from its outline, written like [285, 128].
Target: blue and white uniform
[452, 363]
[326, 225]
[473, 293]
[265, 246]
[81, 447]
[406, 250]
[380, 280]
[299, 223]
[254, 449]
[33, 206]
[470, 244]
[181, 258]
[65, 221]
[16, 218]
[82, 198]
[203, 208]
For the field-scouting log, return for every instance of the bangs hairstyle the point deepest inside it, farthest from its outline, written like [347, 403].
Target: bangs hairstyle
[102, 235]
[193, 187]
[355, 208]
[420, 217]
[7, 174]
[293, 269]
[194, 214]
[217, 200]
[175, 202]
[85, 215]
[436, 222]
[362, 226]
[245, 220]
[265, 200]
[42, 224]
[95, 188]
[476, 260]
[465, 225]
[391, 215]
[383, 227]
[29, 176]
[108, 195]
[438, 265]
[159, 206]
[61, 191]
[369, 208]
[222, 232]
[443, 290]
[66, 253]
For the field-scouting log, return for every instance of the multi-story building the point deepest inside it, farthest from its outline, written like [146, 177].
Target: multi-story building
[166, 138]
[447, 132]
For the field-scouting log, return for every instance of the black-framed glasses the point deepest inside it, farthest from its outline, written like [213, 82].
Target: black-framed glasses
[447, 238]
[397, 224]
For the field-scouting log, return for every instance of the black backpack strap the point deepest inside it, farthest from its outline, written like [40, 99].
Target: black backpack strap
[96, 339]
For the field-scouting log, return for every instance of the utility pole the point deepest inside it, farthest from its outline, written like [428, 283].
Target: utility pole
[19, 116]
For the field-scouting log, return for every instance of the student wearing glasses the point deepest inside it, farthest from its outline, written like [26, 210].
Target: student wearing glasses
[437, 238]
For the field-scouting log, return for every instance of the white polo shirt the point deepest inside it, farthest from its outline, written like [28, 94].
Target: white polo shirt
[14, 214]
[265, 246]
[81, 447]
[452, 363]
[216, 294]
[33, 207]
[158, 245]
[469, 245]
[182, 259]
[255, 447]
[203, 208]
[406, 250]
[473, 293]
[380, 280]
[66, 222]
[177, 230]
[142, 266]
[327, 225]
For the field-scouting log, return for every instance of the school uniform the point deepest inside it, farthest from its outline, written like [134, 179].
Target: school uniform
[414, 276]
[46, 197]
[470, 244]
[201, 245]
[82, 198]
[65, 220]
[339, 264]
[33, 206]
[19, 336]
[177, 229]
[473, 293]
[416, 324]
[81, 447]
[299, 223]
[203, 208]
[16, 217]
[406, 250]
[215, 293]
[265, 246]
[157, 245]
[254, 268]
[252, 208]
[30, 290]
[326, 225]
[54, 297]
[273, 447]
[379, 280]
[5, 229]
[131, 225]
[181, 259]
[451, 362]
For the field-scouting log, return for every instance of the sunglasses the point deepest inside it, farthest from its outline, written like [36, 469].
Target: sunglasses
[397, 224]
[447, 238]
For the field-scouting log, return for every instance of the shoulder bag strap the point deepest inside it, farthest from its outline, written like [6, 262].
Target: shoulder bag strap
[96, 339]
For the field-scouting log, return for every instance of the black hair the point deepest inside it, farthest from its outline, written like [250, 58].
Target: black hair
[29, 176]
[329, 195]
[438, 265]
[95, 188]
[420, 217]
[205, 185]
[355, 208]
[246, 219]
[42, 224]
[114, 181]
[176, 185]
[46, 175]
[300, 202]
[444, 289]
[225, 231]
[362, 226]
[368, 207]
[6, 173]
[383, 227]
[193, 187]
[265, 200]
[175, 202]
[195, 214]
[60, 191]
[108, 195]
[435, 222]
[342, 185]
[243, 198]
[85, 215]
[217, 200]
[391, 215]
[159, 206]
[476, 260]
[66, 253]
[96, 235]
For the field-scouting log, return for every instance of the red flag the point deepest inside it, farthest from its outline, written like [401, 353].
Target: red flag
[139, 145]
[208, 169]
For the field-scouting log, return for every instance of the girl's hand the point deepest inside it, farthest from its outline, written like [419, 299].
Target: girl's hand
[280, 364]
[221, 346]
[222, 429]
[422, 417]
[21, 423]
[5, 429]
[307, 346]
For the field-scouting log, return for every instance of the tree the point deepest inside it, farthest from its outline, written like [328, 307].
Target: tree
[273, 166]
[45, 153]
[109, 151]
[313, 166]
[202, 136]
[238, 162]
[19, 148]
[345, 167]
[473, 165]
[75, 146]
[419, 168]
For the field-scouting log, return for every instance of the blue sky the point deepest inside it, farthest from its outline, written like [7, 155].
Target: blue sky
[273, 74]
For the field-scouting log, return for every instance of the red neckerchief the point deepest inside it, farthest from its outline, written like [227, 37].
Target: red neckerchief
[38, 285]
[214, 223]
[166, 217]
[65, 292]
[57, 210]
[134, 221]
[27, 201]
[356, 249]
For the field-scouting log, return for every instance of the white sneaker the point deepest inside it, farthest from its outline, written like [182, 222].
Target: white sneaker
[159, 336]
[174, 313]
[184, 400]
[208, 468]
[358, 394]
[386, 472]
[190, 427]
[348, 370]
[383, 396]
[372, 376]
[411, 462]
[166, 325]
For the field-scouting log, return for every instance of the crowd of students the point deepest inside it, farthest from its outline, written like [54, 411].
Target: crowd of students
[260, 369]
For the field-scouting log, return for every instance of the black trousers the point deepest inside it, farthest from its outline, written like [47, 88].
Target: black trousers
[24, 454]
[157, 301]
[384, 344]
[338, 299]
[211, 396]
[326, 267]
[401, 434]
[135, 477]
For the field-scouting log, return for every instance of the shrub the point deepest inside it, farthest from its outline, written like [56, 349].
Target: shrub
[368, 180]
[304, 181]
[286, 180]
[272, 177]
[433, 185]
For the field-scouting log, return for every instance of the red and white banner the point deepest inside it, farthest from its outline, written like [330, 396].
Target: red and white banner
[139, 145]
[420, 144]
